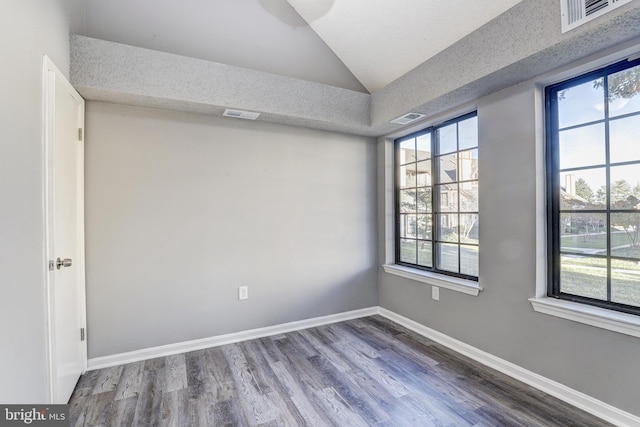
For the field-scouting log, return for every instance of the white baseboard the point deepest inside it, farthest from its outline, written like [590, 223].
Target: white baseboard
[186, 346]
[573, 397]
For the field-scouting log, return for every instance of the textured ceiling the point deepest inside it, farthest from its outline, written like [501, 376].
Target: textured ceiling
[380, 40]
[361, 45]
[520, 44]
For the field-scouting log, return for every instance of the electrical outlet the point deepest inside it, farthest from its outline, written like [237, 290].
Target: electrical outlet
[243, 292]
[435, 293]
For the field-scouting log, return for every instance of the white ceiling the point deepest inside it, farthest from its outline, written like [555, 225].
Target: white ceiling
[263, 35]
[361, 45]
[380, 40]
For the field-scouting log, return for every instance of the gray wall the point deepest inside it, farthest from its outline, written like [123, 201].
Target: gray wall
[181, 209]
[30, 29]
[500, 320]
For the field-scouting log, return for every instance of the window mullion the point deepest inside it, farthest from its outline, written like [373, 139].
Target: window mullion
[397, 169]
[608, 180]
[458, 195]
[553, 192]
[435, 199]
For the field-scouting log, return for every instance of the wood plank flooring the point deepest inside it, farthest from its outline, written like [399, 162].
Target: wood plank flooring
[364, 372]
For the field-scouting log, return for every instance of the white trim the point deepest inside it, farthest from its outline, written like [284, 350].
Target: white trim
[611, 320]
[541, 193]
[51, 76]
[573, 397]
[582, 313]
[468, 287]
[386, 184]
[182, 347]
[48, 101]
[387, 220]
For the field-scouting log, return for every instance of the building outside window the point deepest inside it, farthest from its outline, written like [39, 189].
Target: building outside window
[437, 198]
[593, 188]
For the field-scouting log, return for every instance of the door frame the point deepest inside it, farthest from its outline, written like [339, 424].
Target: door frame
[51, 75]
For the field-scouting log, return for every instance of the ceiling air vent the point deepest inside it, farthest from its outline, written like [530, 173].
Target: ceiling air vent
[407, 118]
[239, 114]
[578, 12]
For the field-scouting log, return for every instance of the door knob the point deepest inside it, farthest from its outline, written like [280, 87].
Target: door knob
[63, 262]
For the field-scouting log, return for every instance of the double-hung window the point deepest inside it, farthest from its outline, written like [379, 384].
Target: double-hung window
[593, 188]
[437, 198]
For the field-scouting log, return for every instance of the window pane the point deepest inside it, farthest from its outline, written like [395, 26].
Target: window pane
[448, 168]
[469, 228]
[469, 260]
[624, 144]
[583, 233]
[408, 251]
[469, 196]
[425, 226]
[424, 253]
[407, 201]
[447, 139]
[407, 151]
[430, 169]
[625, 286]
[468, 130]
[624, 93]
[583, 189]
[423, 143]
[448, 228]
[584, 276]
[448, 197]
[625, 235]
[423, 171]
[581, 104]
[468, 165]
[597, 186]
[408, 226]
[408, 176]
[583, 146]
[625, 187]
[424, 200]
[448, 257]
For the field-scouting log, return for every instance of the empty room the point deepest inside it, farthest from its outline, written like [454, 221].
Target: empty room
[328, 212]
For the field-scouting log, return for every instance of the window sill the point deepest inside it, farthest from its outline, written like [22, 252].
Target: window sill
[611, 320]
[468, 287]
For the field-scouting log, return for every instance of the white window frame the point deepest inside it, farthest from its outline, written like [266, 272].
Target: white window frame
[386, 156]
[628, 324]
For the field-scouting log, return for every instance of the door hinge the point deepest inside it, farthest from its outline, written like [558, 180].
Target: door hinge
[79, 134]
[81, 334]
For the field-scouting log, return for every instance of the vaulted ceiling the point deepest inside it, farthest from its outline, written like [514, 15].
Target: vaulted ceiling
[348, 66]
[361, 45]
[380, 40]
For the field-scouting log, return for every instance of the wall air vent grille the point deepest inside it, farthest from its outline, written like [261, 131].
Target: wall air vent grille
[407, 118]
[239, 114]
[578, 12]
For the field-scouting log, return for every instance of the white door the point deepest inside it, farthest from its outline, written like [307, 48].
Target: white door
[64, 189]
